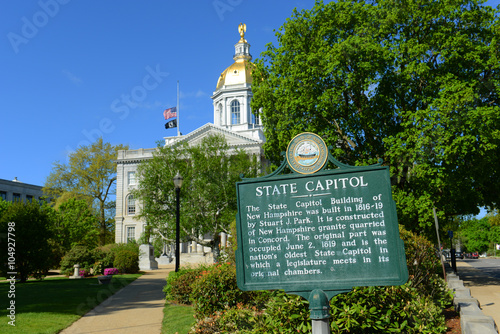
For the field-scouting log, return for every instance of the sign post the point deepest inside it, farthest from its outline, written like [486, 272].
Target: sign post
[317, 232]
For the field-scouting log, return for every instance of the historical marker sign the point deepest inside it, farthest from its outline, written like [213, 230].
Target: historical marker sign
[329, 230]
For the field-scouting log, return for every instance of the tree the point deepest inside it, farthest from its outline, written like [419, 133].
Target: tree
[91, 172]
[31, 230]
[415, 82]
[3, 206]
[208, 194]
[494, 218]
[76, 224]
[475, 234]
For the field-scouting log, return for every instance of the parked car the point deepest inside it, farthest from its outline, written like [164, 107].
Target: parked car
[447, 255]
[459, 255]
[474, 255]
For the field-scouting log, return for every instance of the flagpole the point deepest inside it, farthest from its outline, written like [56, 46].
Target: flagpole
[178, 114]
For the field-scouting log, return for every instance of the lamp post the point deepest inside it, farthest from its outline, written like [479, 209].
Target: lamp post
[177, 185]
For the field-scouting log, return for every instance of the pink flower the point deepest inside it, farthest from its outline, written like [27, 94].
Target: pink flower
[110, 271]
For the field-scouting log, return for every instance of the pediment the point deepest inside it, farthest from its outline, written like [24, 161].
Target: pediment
[233, 138]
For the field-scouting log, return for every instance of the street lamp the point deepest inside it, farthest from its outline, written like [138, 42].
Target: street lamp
[177, 185]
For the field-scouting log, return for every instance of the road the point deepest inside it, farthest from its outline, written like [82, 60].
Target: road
[489, 266]
[482, 277]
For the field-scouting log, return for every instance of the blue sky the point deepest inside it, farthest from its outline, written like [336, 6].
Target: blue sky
[73, 70]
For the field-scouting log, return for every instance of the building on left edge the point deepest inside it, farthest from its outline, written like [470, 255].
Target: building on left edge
[16, 190]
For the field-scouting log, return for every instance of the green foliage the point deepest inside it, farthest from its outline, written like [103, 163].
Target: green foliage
[76, 224]
[207, 196]
[104, 258]
[90, 174]
[285, 314]
[476, 235]
[385, 310]
[216, 290]
[3, 206]
[27, 228]
[81, 255]
[416, 83]
[239, 320]
[178, 288]
[424, 267]
[415, 307]
[126, 258]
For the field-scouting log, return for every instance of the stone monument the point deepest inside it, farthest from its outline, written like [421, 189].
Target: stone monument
[147, 258]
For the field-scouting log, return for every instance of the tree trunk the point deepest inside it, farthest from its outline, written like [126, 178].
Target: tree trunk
[102, 218]
[216, 247]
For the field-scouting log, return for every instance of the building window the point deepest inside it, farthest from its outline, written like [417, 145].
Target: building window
[16, 197]
[130, 233]
[255, 119]
[235, 112]
[131, 178]
[3, 195]
[29, 198]
[130, 205]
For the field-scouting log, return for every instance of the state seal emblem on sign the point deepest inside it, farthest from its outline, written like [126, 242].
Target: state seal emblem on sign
[306, 153]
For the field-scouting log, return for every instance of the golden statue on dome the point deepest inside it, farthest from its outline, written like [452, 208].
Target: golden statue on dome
[242, 28]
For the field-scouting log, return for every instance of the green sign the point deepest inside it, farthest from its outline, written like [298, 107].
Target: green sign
[331, 230]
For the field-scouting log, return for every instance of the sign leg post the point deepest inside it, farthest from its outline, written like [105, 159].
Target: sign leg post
[320, 326]
[319, 307]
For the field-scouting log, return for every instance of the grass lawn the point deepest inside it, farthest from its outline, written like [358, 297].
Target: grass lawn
[177, 318]
[51, 305]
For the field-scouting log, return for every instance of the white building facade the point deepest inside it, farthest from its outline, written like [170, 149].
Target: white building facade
[233, 119]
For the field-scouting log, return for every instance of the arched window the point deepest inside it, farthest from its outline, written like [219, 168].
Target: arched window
[221, 116]
[235, 112]
[255, 119]
[130, 205]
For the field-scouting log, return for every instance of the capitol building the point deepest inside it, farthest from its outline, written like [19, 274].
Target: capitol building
[232, 118]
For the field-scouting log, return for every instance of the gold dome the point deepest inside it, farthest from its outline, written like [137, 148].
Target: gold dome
[241, 71]
[238, 73]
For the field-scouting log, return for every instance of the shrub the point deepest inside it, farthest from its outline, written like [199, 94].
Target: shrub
[125, 257]
[77, 255]
[286, 313]
[105, 257]
[178, 288]
[415, 307]
[127, 261]
[216, 290]
[385, 309]
[238, 319]
[424, 268]
[421, 258]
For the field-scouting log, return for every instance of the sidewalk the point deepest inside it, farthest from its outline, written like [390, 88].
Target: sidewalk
[136, 308]
[485, 290]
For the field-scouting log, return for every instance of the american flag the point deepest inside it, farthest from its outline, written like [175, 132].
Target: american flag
[170, 113]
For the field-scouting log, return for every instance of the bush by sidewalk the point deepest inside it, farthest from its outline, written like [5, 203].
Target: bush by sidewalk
[415, 307]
